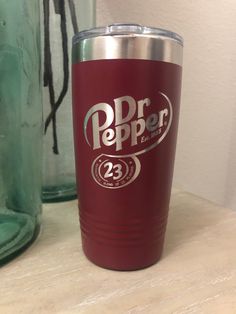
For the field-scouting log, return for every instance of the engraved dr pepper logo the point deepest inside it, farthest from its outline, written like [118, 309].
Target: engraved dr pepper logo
[122, 130]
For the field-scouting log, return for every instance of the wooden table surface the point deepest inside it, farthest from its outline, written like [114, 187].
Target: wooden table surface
[197, 273]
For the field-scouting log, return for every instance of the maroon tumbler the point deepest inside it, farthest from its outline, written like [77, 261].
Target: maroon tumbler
[126, 94]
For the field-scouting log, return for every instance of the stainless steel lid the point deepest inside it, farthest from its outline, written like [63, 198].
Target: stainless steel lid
[128, 41]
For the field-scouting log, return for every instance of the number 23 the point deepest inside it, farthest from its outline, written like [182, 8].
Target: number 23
[114, 171]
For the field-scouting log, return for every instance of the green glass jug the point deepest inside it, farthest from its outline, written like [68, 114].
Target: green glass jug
[61, 19]
[20, 126]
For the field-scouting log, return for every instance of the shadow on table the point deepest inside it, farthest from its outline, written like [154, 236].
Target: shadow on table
[56, 230]
[189, 216]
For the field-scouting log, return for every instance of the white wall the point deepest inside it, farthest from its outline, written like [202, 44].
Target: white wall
[206, 154]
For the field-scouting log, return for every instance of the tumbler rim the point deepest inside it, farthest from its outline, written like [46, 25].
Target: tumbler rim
[119, 29]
